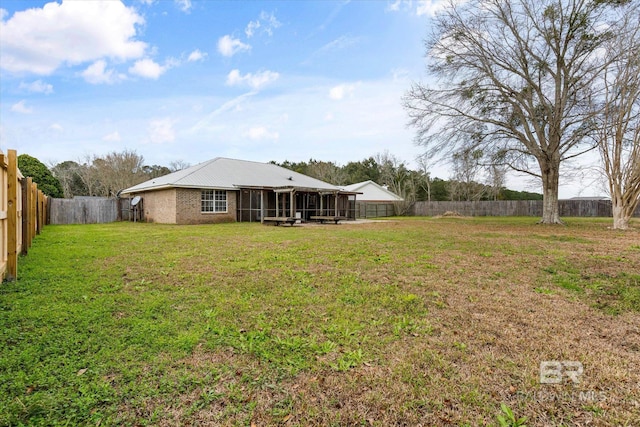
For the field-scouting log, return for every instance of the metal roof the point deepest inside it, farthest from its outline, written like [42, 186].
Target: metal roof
[230, 174]
[373, 192]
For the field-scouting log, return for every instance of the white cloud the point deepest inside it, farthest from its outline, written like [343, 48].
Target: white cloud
[228, 46]
[37, 87]
[161, 131]
[340, 43]
[196, 55]
[184, 5]
[40, 40]
[395, 6]
[21, 107]
[422, 7]
[234, 78]
[400, 74]
[430, 7]
[56, 127]
[251, 28]
[97, 73]
[341, 91]
[112, 137]
[267, 22]
[255, 81]
[149, 69]
[261, 133]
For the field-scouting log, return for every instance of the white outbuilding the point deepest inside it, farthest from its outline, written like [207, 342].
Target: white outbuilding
[375, 200]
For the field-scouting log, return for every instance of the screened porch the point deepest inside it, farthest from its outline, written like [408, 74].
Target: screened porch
[255, 204]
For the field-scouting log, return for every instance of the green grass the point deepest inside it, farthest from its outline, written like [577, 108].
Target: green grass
[137, 324]
[613, 292]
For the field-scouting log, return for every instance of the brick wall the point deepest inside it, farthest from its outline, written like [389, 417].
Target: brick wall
[160, 206]
[188, 202]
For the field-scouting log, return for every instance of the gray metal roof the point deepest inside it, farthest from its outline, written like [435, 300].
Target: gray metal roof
[372, 191]
[230, 174]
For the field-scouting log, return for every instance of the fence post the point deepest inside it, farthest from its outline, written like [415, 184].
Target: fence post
[30, 211]
[34, 210]
[40, 220]
[12, 215]
[25, 216]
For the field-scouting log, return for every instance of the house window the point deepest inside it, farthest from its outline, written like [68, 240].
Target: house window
[214, 201]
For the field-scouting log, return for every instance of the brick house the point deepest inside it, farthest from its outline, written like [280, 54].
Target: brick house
[230, 190]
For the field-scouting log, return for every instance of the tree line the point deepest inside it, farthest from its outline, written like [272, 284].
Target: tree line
[466, 183]
[106, 175]
[95, 175]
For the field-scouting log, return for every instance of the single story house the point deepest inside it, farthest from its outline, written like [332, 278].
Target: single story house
[592, 198]
[372, 192]
[230, 190]
[375, 200]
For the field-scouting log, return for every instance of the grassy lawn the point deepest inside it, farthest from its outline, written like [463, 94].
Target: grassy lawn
[400, 322]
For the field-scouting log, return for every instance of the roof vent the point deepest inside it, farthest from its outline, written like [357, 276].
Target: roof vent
[290, 178]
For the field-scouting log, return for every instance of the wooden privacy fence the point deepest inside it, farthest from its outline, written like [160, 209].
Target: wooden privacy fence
[93, 210]
[22, 214]
[83, 210]
[568, 208]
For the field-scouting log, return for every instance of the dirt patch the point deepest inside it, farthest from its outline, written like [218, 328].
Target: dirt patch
[450, 214]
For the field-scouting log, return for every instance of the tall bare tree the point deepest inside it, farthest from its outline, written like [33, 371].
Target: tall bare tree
[496, 179]
[178, 165]
[466, 164]
[327, 171]
[425, 175]
[514, 77]
[68, 174]
[398, 179]
[89, 176]
[119, 170]
[618, 134]
[108, 174]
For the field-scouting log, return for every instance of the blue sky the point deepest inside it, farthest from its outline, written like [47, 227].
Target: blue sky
[192, 80]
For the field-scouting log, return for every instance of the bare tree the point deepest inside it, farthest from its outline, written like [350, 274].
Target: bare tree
[618, 134]
[67, 174]
[514, 76]
[466, 164]
[89, 175]
[119, 170]
[327, 171]
[399, 179]
[425, 175]
[178, 165]
[496, 174]
[106, 175]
